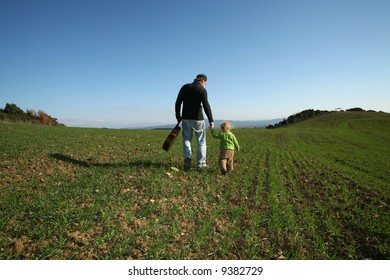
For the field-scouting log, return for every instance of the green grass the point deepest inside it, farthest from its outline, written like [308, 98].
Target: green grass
[314, 190]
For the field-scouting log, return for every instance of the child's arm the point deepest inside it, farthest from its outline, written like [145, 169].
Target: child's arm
[236, 143]
[214, 133]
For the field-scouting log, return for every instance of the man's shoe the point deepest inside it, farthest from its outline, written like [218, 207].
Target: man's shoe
[187, 164]
[202, 167]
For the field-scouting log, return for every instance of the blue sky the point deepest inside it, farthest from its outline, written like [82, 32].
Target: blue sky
[117, 63]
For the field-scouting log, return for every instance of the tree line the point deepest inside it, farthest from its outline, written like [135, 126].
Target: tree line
[307, 114]
[12, 113]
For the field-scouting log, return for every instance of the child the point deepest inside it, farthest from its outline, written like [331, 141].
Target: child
[228, 143]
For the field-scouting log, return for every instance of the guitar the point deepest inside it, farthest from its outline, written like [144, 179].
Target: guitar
[171, 137]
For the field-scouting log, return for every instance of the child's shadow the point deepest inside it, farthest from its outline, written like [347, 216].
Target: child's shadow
[86, 163]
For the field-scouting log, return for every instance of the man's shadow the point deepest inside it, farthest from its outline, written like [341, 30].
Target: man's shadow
[86, 163]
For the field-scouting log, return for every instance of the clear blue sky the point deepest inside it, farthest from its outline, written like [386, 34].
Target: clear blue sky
[117, 63]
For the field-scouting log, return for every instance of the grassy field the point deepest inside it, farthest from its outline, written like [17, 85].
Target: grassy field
[319, 189]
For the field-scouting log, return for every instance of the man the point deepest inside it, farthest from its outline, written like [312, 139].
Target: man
[193, 96]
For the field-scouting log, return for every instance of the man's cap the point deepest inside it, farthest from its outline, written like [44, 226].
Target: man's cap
[201, 77]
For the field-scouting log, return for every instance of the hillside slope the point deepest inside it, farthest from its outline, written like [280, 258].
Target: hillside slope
[358, 140]
[364, 120]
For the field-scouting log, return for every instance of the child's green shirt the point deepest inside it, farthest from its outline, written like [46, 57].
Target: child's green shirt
[228, 140]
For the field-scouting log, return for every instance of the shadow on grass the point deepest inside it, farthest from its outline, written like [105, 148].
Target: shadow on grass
[86, 163]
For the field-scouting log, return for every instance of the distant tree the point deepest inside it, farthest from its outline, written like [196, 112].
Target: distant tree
[13, 109]
[356, 109]
[46, 119]
[43, 117]
[32, 114]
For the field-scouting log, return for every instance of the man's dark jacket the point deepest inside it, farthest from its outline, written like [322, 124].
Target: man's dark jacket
[193, 96]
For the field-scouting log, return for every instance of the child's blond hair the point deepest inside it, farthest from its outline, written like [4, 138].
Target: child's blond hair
[226, 126]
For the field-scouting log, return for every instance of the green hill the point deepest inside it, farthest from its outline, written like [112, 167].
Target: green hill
[357, 120]
[310, 114]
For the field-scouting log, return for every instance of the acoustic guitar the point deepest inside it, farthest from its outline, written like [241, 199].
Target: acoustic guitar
[171, 137]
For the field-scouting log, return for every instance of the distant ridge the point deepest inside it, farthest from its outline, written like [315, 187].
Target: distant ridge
[235, 123]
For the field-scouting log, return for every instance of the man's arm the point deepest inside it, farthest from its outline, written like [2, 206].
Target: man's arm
[207, 108]
[178, 102]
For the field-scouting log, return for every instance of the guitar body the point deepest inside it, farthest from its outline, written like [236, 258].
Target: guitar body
[171, 137]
